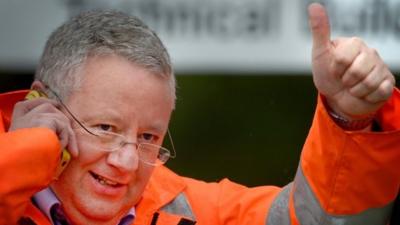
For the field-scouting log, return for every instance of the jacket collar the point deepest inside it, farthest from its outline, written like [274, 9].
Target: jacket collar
[163, 187]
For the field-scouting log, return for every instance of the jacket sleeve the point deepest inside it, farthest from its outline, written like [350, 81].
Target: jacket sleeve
[344, 177]
[28, 160]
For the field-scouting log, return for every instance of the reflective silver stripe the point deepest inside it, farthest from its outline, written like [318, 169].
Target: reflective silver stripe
[310, 212]
[279, 211]
[179, 206]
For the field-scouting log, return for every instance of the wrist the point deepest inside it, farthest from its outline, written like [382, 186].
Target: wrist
[349, 122]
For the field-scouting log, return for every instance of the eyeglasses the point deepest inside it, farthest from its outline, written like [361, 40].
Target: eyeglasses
[148, 153]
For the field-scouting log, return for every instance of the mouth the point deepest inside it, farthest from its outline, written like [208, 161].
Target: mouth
[104, 181]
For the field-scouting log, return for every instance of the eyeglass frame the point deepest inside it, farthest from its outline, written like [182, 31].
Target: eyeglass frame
[123, 143]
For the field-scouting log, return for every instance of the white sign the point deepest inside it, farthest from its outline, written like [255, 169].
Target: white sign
[226, 36]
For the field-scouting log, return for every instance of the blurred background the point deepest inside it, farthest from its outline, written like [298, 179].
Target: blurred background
[245, 91]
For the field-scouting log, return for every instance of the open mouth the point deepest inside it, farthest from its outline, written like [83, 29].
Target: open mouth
[104, 181]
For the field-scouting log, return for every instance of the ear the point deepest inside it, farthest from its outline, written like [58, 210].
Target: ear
[38, 85]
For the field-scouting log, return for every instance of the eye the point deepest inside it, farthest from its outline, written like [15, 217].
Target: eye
[104, 127]
[148, 137]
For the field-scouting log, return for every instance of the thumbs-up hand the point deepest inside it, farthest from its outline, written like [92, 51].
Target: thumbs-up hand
[352, 77]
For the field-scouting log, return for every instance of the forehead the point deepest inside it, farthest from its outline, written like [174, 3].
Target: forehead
[112, 83]
[112, 70]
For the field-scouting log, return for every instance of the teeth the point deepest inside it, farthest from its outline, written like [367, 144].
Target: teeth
[104, 181]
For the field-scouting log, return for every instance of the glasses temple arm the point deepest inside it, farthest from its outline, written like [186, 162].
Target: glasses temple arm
[69, 112]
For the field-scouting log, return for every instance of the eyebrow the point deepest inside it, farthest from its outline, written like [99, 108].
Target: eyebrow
[157, 127]
[110, 114]
[104, 114]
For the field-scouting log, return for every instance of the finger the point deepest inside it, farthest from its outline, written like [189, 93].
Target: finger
[63, 134]
[344, 55]
[67, 134]
[29, 114]
[23, 107]
[359, 69]
[59, 123]
[73, 144]
[383, 92]
[45, 107]
[319, 25]
[369, 84]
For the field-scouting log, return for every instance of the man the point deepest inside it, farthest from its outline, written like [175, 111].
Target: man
[111, 93]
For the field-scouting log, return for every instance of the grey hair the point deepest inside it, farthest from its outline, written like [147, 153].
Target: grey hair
[95, 33]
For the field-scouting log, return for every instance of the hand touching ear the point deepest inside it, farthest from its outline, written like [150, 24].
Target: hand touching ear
[43, 112]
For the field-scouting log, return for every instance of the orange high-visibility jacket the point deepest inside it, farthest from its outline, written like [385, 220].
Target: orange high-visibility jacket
[343, 178]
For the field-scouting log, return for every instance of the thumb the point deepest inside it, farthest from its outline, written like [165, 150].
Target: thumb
[319, 25]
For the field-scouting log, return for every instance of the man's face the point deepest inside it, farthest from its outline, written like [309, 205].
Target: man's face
[120, 97]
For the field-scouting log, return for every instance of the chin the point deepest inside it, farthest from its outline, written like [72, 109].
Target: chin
[83, 207]
[95, 210]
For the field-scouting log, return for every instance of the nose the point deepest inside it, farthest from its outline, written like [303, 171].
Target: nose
[125, 159]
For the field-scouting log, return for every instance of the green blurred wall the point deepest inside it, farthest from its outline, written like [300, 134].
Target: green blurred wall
[248, 128]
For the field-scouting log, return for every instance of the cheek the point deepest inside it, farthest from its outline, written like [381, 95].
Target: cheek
[145, 171]
[142, 177]
[78, 167]
[88, 155]
[73, 174]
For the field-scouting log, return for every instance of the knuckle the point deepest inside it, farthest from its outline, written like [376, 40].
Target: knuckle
[364, 58]
[392, 80]
[356, 73]
[356, 41]
[355, 91]
[47, 106]
[20, 105]
[340, 59]
[379, 66]
[373, 52]
[369, 83]
[348, 79]
[385, 91]
[45, 120]
[386, 69]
